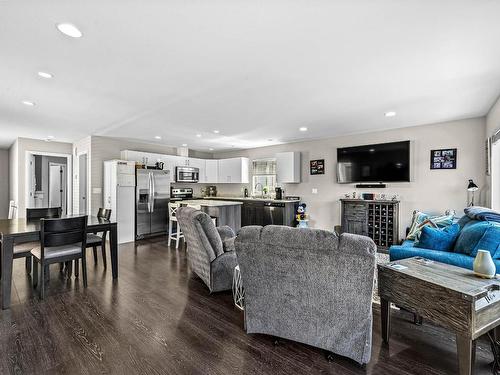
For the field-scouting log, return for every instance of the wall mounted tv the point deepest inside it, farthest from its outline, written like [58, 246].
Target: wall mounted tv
[383, 162]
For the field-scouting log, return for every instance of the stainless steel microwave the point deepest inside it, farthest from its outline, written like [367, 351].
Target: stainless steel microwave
[187, 174]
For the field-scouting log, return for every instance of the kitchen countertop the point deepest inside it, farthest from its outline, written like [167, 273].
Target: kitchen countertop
[257, 199]
[210, 203]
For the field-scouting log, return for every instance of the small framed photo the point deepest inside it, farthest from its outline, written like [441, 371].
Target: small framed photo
[317, 166]
[444, 158]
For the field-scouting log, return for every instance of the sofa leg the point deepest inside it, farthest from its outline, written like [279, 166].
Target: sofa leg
[276, 341]
[330, 357]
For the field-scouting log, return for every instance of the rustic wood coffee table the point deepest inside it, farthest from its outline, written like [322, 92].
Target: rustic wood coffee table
[446, 295]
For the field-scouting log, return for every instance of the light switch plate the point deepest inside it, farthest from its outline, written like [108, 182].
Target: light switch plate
[315, 191]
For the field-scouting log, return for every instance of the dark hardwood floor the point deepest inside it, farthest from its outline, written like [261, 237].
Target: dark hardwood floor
[157, 318]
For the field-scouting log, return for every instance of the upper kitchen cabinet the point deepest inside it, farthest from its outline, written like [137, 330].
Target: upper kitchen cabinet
[233, 170]
[211, 171]
[201, 165]
[288, 167]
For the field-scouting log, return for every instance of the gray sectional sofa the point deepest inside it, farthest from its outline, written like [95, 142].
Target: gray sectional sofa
[210, 250]
[309, 286]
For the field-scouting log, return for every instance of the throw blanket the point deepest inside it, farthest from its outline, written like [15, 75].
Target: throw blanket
[482, 213]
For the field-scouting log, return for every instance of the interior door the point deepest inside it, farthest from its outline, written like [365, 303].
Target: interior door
[82, 183]
[143, 203]
[495, 175]
[31, 181]
[57, 186]
[161, 196]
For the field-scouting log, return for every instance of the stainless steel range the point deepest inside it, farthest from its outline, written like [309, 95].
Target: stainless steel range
[178, 194]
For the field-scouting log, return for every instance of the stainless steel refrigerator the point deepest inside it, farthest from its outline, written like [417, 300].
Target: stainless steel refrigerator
[151, 206]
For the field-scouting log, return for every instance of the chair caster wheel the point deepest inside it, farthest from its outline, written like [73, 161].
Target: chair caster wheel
[330, 357]
[276, 342]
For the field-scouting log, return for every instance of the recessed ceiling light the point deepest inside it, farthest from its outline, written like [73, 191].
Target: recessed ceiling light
[69, 30]
[216, 131]
[390, 114]
[198, 135]
[157, 137]
[184, 145]
[303, 129]
[45, 75]
[211, 149]
[28, 103]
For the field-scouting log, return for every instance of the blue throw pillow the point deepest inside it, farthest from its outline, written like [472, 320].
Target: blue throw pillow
[470, 235]
[438, 239]
[489, 241]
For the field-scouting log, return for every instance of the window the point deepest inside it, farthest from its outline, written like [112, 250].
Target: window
[495, 171]
[263, 176]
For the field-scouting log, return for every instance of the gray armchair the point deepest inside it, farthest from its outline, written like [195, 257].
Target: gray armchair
[309, 286]
[210, 250]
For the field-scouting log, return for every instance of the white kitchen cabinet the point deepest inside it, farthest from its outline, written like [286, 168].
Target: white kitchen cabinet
[211, 171]
[233, 170]
[201, 165]
[288, 167]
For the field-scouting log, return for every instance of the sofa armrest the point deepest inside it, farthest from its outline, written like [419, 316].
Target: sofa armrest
[225, 232]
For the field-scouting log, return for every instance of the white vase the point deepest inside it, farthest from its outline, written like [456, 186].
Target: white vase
[483, 265]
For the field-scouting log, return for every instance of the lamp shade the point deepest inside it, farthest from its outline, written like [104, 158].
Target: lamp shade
[472, 186]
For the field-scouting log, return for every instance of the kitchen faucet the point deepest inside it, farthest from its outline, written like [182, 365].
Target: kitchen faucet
[261, 189]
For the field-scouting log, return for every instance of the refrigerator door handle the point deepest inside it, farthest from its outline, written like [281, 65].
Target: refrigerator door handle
[153, 181]
[150, 192]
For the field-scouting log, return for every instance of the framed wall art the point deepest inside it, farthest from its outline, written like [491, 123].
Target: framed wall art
[317, 166]
[444, 158]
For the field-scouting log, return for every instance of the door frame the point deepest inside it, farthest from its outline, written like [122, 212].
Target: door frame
[69, 174]
[87, 187]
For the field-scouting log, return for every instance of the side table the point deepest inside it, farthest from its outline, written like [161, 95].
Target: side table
[238, 291]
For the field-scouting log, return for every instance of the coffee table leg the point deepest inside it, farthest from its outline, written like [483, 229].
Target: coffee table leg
[385, 316]
[466, 351]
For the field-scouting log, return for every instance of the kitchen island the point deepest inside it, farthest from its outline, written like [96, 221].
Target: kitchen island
[225, 212]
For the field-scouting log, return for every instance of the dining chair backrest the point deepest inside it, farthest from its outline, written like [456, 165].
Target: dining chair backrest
[104, 213]
[60, 232]
[172, 209]
[43, 213]
[12, 210]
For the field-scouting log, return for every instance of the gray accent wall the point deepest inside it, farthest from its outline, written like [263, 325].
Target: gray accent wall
[430, 190]
[4, 183]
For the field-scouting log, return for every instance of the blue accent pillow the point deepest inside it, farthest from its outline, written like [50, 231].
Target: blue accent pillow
[438, 239]
[470, 235]
[489, 241]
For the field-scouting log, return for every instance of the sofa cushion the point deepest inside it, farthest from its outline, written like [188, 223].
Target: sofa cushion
[490, 240]
[421, 219]
[482, 213]
[469, 236]
[448, 257]
[438, 239]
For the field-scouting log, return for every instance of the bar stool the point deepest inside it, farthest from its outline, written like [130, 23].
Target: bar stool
[177, 235]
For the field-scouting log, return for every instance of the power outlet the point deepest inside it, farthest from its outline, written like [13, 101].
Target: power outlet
[314, 191]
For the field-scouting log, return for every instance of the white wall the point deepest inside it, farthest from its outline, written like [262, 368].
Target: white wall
[17, 164]
[431, 190]
[4, 184]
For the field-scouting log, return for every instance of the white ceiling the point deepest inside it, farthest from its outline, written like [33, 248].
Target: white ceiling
[255, 70]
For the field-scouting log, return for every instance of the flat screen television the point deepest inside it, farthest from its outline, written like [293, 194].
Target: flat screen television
[383, 162]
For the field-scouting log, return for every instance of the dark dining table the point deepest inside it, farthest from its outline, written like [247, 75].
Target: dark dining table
[16, 231]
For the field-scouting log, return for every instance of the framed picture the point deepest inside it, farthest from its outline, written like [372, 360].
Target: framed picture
[444, 158]
[317, 166]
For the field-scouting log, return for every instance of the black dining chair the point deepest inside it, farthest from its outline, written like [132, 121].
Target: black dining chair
[94, 240]
[23, 250]
[61, 241]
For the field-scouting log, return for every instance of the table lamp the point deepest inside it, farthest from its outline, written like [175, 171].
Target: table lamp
[472, 188]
